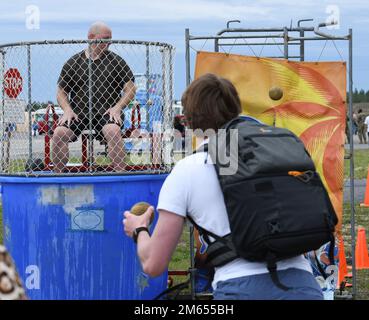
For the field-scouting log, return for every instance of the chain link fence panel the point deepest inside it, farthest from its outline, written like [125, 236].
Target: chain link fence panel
[86, 107]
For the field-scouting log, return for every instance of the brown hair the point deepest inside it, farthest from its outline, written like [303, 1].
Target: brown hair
[209, 102]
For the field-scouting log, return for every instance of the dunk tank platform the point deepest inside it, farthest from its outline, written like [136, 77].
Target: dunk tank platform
[64, 231]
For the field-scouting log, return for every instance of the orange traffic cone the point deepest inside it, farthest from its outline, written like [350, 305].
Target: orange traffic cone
[361, 250]
[342, 264]
[366, 199]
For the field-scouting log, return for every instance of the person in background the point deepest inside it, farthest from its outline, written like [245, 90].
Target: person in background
[347, 130]
[366, 128]
[354, 123]
[179, 134]
[361, 126]
[324, 272]
[34, 127]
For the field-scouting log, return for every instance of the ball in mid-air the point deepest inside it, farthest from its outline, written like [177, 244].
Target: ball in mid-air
[275, 93]
[140, 208]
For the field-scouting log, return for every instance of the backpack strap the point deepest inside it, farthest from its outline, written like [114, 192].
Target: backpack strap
[272, 268]
[321, 270]
[219, 252]
[222, 250]
[330, 257]
[209, 233]
[234, 121]
[331, 249]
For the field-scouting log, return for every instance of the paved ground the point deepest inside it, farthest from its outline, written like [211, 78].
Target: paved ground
[19, 146]
[357, 145]
[359, 191]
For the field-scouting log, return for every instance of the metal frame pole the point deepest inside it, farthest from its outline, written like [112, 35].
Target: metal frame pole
[170, 104]
[147, 71]
[352, 182]
[3, 111]
[171, 82]
[168, 96]
[188, 59]
[216, 41]
[90, 103]
[147, 105]
[285, 41]
[147, 75]
[192, 242]
[164, 107]
[30, 155]
[302, 35]
[302, 46]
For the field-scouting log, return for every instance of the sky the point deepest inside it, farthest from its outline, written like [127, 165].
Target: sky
[166, 21]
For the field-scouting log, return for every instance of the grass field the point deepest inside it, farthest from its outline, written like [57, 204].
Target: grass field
[181, 261]
[361, 161]
[361, 219]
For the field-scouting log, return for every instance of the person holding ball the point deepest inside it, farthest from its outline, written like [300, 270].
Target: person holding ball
[192, 190]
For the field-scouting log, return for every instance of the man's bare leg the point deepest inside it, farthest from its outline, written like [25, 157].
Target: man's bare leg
[61, 137]
[114, 140]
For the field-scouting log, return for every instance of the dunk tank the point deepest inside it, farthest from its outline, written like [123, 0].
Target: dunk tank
[64, 230]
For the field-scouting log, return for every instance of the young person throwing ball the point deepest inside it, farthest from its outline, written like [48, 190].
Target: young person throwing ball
[192, 190]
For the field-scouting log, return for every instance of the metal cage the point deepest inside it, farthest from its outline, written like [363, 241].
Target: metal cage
[32, 74]
[285, 39]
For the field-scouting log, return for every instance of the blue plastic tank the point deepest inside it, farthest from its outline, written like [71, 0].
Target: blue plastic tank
[66, 235]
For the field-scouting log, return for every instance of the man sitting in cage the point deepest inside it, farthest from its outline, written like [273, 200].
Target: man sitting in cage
[109, 90]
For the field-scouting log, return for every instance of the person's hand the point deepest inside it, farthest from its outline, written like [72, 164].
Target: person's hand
[132, 222]
[68, 117]
[115, 114]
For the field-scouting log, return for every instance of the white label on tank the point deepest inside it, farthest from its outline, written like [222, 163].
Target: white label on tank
[80, 195]
[51, 195]
[77, 197]
[88, 219]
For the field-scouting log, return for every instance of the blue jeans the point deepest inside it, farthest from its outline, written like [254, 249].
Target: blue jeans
[302, 284]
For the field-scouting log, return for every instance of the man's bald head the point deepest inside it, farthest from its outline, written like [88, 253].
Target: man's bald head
[99, 30]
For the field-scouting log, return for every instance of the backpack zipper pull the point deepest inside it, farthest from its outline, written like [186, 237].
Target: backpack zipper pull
[304, 176]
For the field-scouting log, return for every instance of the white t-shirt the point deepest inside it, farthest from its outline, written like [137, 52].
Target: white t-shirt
[366, 121]
[193, 188]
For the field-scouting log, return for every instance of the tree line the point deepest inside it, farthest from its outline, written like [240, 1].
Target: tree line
[40, 105]
[360, 96]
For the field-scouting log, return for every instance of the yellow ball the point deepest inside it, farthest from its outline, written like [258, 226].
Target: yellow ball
[140, 208]
[275, 93]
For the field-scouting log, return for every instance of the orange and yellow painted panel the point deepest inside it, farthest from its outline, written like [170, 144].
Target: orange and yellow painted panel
[310, 101]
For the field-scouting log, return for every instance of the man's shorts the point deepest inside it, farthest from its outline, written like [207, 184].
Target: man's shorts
[98, 122]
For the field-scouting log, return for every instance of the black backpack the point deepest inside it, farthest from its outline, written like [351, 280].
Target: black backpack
[277, 205]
